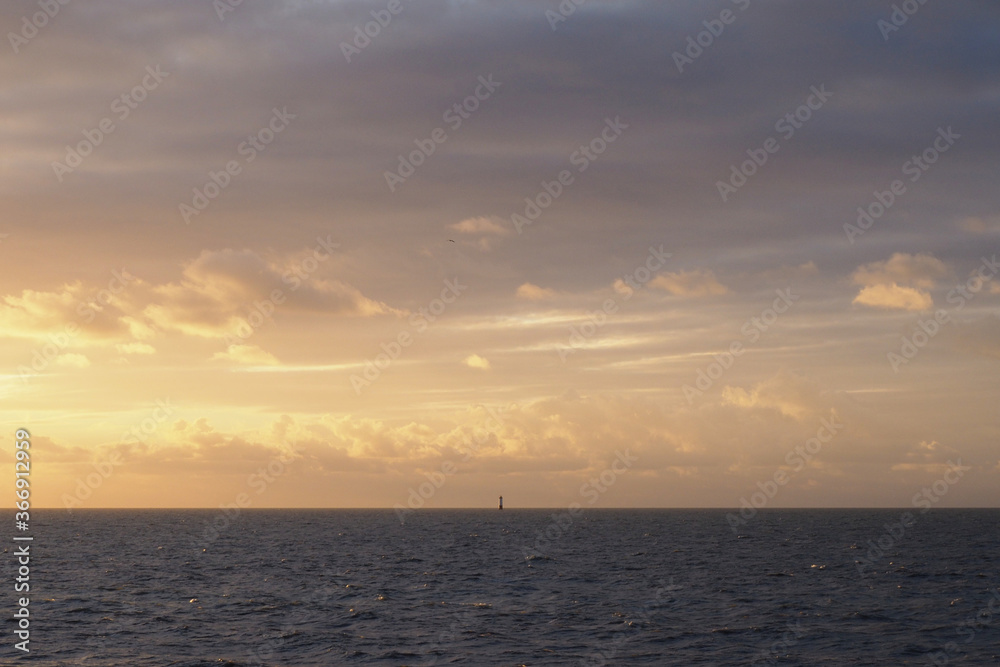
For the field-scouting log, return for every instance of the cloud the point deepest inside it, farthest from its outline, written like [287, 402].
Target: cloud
[217, 293]
[247, 355]
[72, 360]
[928, 456]
[921, 270]
[38, 314]
[789, 394]
[689, 283]
[35, 311]
[220, 290]
[979, 225]
[486, 228]
[475, 361]
[900, 282]
[480, 225]
[893, 296]
[135, 348]
[739, 435]
[533, 292]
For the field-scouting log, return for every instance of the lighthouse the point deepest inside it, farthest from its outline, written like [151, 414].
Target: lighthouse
[501, 502]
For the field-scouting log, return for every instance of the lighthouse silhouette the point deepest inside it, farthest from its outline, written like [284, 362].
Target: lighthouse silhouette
[501, 502]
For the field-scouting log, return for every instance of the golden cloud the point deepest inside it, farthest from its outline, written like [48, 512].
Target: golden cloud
[96, 314]
[893, 296]
[224, 290]
[135, 348]
[72, 360]
[480, 225]
[475, 361]
[921, 271]
[789, 394]
[247, 355]
[689, 283]
[218, 292]
[533, 292]
[979, 225]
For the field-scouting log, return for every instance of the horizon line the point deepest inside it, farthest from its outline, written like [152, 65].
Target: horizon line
[493, 508]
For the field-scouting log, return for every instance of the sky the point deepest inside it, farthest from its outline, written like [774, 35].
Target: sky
[424, 253]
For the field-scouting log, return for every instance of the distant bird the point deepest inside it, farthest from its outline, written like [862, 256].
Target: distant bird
[452, 240]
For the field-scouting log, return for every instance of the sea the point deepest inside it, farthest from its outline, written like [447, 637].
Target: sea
[196, 588]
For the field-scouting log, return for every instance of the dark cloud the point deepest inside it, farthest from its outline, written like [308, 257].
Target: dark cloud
[607, 59]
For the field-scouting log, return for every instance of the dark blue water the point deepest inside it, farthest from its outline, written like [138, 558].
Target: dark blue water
[617, 587]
